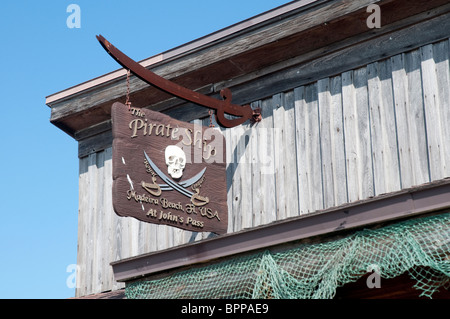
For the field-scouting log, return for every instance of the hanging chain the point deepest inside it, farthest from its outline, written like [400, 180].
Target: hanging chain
[128, 91]
[210, 118]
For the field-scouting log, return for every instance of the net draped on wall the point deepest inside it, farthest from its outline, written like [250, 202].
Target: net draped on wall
[418, 247]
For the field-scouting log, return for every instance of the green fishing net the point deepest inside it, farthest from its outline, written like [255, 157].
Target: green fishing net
[418, 247]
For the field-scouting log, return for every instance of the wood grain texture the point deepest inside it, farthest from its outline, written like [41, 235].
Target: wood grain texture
[346, 137]
[140, 156]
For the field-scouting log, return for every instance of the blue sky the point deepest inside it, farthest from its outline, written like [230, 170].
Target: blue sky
[40, 56]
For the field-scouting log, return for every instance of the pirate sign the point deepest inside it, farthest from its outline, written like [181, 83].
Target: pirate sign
[167, 171]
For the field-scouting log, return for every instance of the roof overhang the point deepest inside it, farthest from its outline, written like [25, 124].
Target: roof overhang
[293, 34]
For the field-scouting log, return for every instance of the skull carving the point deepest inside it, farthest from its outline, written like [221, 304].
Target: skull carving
[175, 160]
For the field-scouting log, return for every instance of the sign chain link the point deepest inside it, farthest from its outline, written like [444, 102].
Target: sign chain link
[128, 91]
[211, 112]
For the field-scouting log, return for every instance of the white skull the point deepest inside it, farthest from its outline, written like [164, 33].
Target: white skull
[175, 160]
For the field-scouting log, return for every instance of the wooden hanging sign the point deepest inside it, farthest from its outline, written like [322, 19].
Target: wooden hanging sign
[167, 171]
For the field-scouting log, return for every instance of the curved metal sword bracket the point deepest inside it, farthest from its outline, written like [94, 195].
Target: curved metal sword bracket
[221, 107]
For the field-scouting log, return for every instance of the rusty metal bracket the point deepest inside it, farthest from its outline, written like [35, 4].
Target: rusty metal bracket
[221, 107]
[256, 116]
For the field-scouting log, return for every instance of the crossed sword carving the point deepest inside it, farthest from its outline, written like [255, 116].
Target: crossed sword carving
[196, 199]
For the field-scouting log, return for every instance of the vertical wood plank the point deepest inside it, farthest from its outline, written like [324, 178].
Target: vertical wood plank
[416, 118]
[246, 177]
[365, 161]
[117, 226]
[441, 59]
[160, 238]
[236, 133]
[383, 128]
[332, 142]
[99, 212]
[291, 180]
[412, 146]
[153, 235]
[83, 210]
[267, 162]
[357, 134]
[351, 136]
[301, 137]
[315, 158]
[231, 176]
[181, 236]
[338, 142]
[432, 113]
[376, 118]
[147, 239]
[256, 194]
[117, 229]
[134, 236]
[401, 102]
[107, 234]
[125, 237]
[242, 177]
[279, 154]
[91, 227]
[324, 101]
[142, 241]
[390, 137]
[230, 173]
[170, 236]
[308, 149]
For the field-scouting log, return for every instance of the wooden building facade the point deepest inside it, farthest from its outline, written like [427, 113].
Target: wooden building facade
[351, 116]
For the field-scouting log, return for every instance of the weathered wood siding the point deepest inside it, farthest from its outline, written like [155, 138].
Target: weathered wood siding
[347, 137]
[362, 133]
